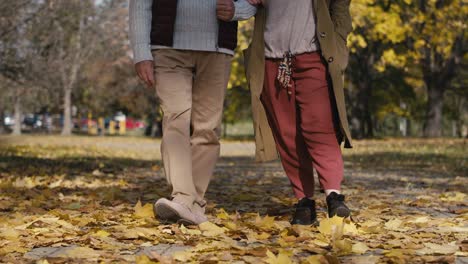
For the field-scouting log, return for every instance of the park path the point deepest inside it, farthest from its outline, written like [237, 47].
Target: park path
[75, 199]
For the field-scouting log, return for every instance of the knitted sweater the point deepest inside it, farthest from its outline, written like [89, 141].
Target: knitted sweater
[196, 27]
[290, 26]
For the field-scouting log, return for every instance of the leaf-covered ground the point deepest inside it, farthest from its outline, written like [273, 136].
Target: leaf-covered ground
[89, 200]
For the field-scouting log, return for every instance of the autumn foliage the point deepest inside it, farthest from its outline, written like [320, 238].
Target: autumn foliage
[90, 200]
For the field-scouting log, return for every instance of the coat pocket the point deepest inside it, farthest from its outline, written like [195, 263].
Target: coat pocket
[342, 50]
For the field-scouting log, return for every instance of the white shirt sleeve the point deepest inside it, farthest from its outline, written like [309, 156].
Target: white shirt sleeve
[140, 15]
[244, 10]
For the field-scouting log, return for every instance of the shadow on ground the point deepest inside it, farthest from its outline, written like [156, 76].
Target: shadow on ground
[239, 184]
[82, 191]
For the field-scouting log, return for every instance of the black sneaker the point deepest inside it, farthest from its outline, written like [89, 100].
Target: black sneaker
[305, 213]
[336, 205]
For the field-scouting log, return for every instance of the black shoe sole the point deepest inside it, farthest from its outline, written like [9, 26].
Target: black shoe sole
[166, 214]
[314, 223]
[341, 212]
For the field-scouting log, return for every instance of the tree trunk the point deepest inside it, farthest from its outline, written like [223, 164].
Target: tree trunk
[365, 115]
[2, 121]
[67, 116]
[433, 124]
[69, 75]
[368, 118]
[17, 116]
[460, 115]
[224, 129]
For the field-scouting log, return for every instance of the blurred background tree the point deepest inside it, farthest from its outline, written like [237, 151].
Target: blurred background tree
[407, 74]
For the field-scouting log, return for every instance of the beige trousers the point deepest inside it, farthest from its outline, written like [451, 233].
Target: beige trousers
[191, 86]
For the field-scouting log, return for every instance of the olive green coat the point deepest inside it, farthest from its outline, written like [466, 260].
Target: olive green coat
[333, 26]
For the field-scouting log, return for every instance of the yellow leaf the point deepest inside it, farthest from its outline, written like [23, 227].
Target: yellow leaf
[231, 225]
[393, 224]
[401, 254]
[332, 226]
[265, 223]
[445, 249]
[453, 197]
[321, 243]
[343, 246]
[145, 211]
[350, 229]
[422, 219]
[398, 253]
[185, 230]
[102, 233]
[210, 229]
[79, 252]
[222, 214]
[316, 259]
[282, 258]
[9, 234]
[360, 248]
[182, 256]
[262, 236]
[122, 183]
[137, 232]
[143, 259]
[371, 226]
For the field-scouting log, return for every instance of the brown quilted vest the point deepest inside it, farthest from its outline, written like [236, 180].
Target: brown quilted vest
[162, 26]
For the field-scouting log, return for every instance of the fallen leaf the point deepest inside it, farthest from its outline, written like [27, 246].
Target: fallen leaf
[265, 223]
[9, 234]
[78, 252]
[453, 197]
[360, 248]
[222, 214]
[136, 232]
[400, 255]
[316, 259]
[281, 258]
[145, 211]
[343, 246]
[436, 249]
[182, 256]
[101, 233]
[188, 231]
[262, 236]
[143, 259]
[350, 228]
[421, 219]
[209, 229]
[393, 224]
[332, 227]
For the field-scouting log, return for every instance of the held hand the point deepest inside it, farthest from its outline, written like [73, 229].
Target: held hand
[225, 9]
[255, 2]
[144, 70]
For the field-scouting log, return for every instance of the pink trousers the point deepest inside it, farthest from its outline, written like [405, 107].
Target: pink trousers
[304, 124]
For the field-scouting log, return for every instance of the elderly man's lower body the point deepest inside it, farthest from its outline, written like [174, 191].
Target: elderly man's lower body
[191, 86]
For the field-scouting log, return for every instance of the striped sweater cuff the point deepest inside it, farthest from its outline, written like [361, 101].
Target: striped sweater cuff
[141, 52]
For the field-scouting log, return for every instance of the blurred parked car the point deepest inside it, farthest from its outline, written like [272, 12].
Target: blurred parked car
[9, 121]
[32, 121]
[82, 124]
[131, 123]
[120, 117]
